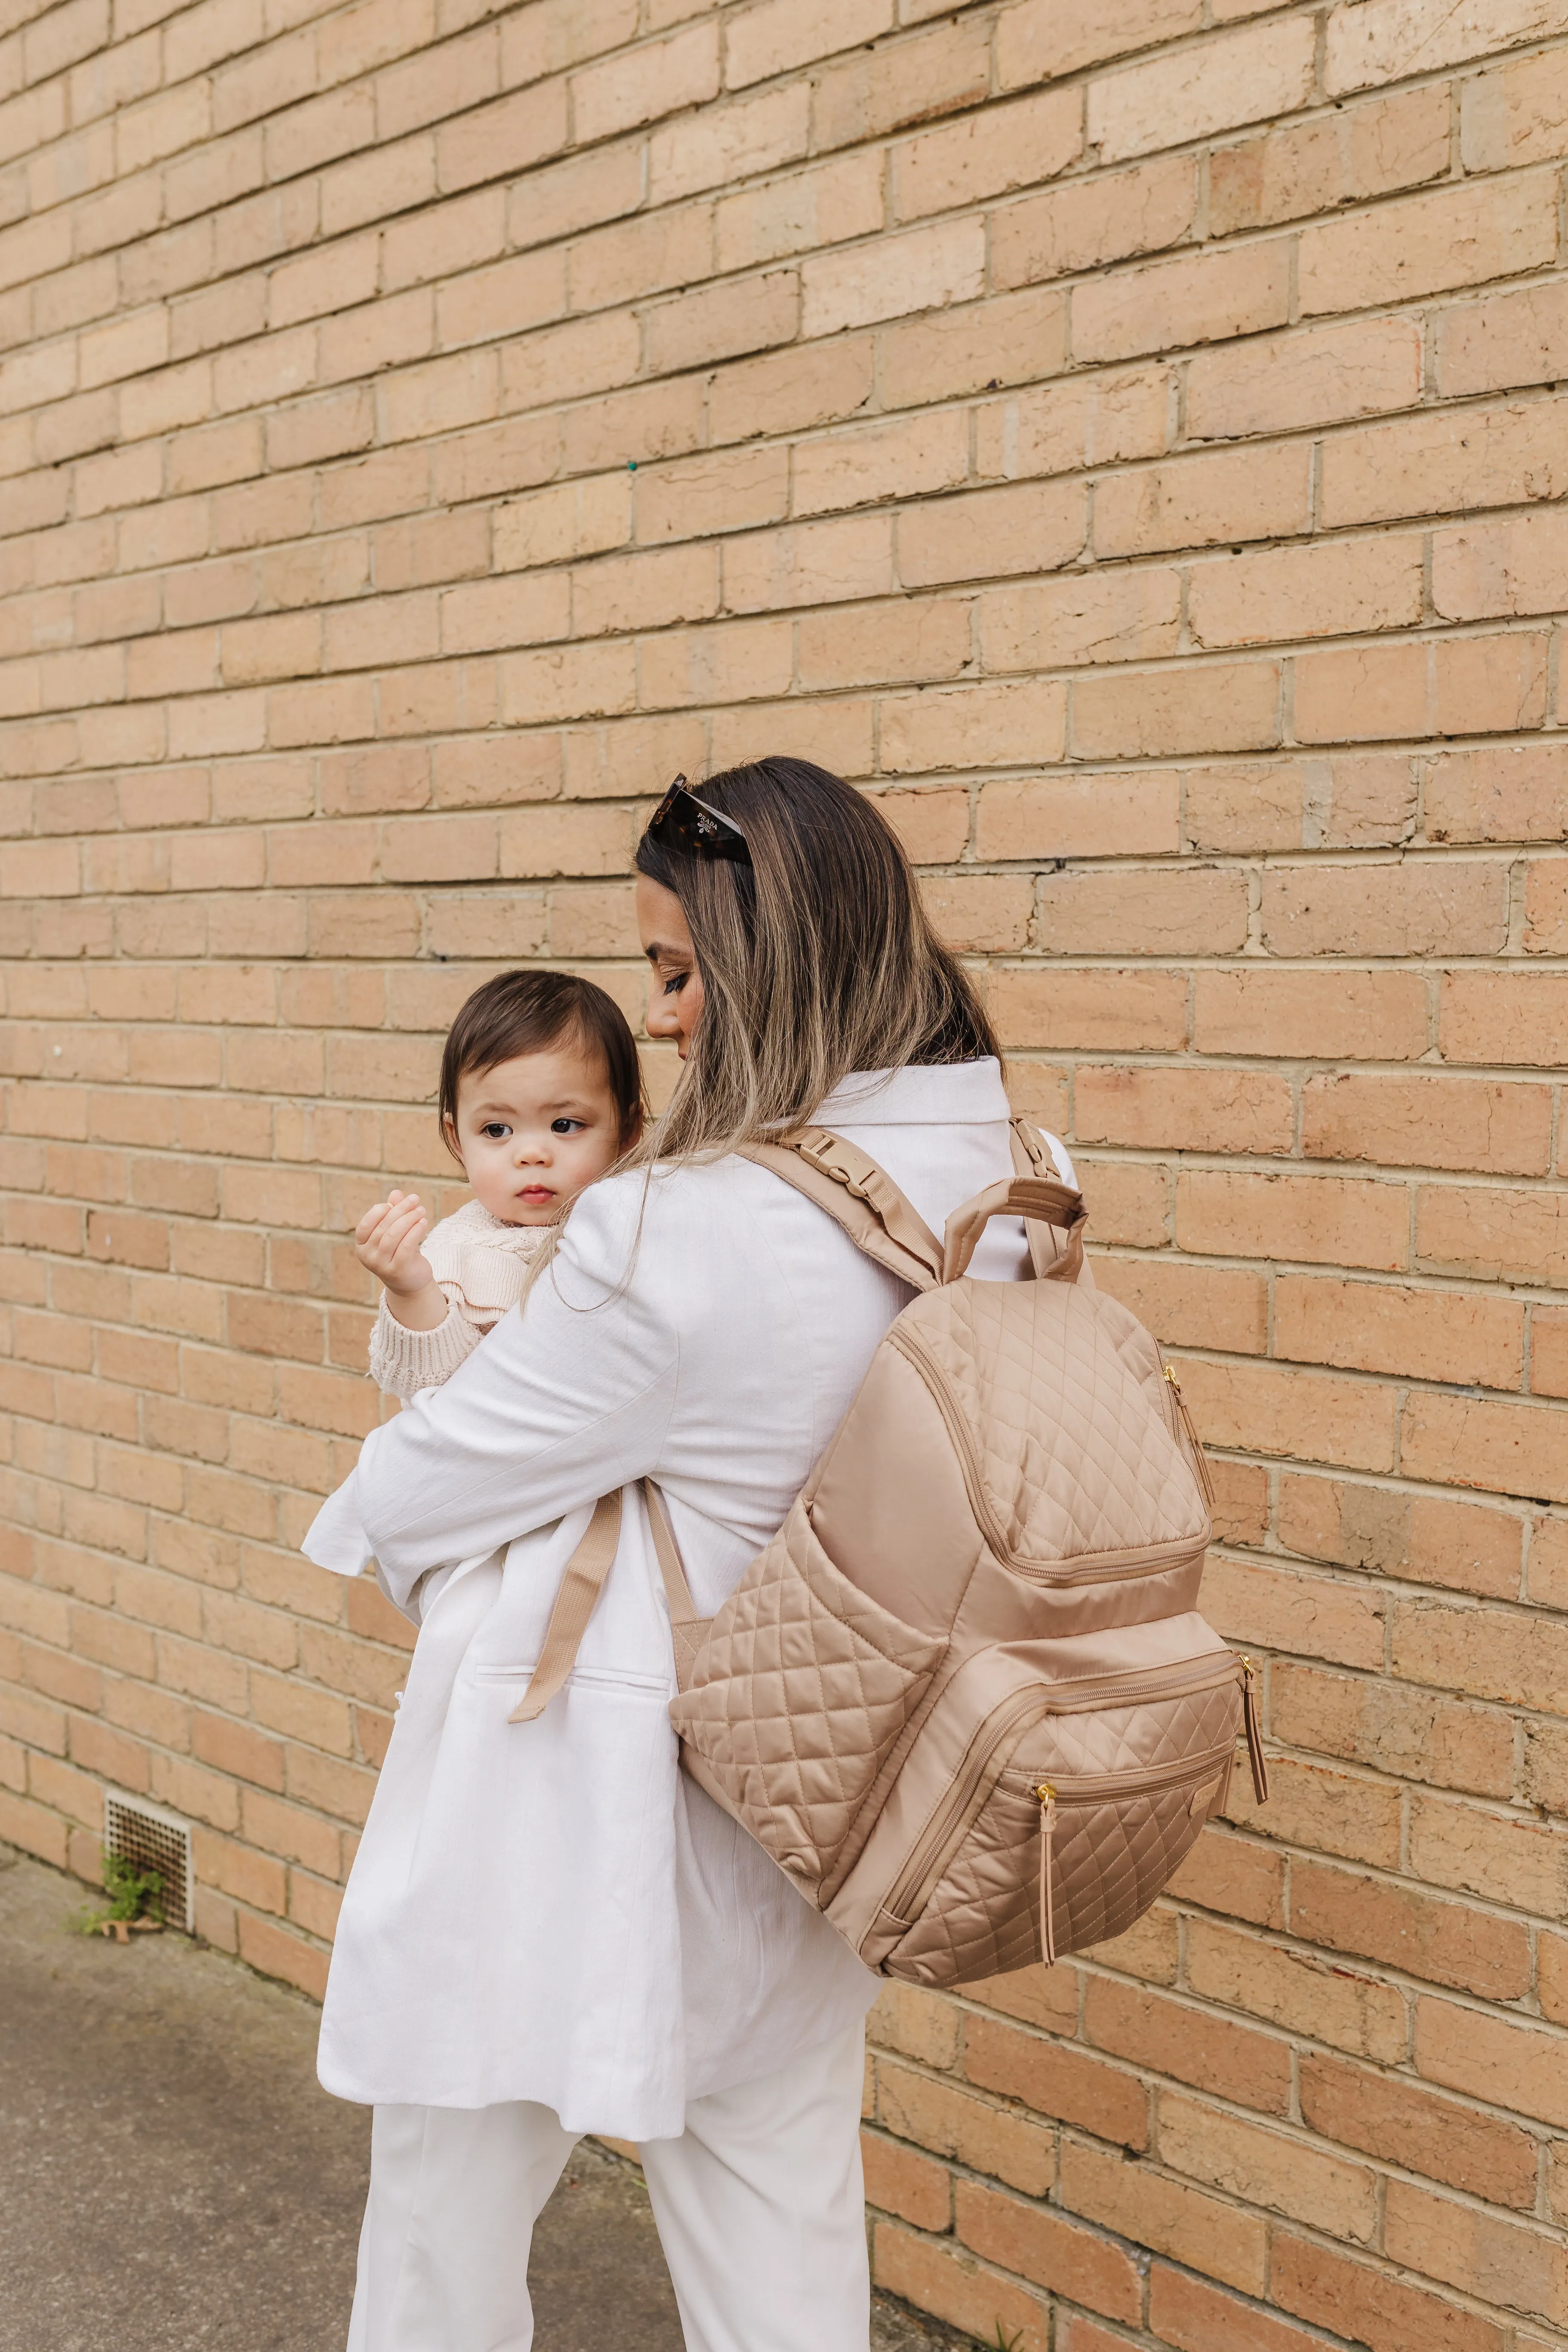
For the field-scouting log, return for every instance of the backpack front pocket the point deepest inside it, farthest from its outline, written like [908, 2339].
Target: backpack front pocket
[800, 1693]
[1066, 1829]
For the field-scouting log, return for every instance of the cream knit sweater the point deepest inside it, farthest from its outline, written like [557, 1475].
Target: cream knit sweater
[480, 1265]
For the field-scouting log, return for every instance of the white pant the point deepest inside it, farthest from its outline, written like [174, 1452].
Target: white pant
[759, 2207]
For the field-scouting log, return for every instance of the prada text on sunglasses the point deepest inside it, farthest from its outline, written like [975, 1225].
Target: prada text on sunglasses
[683, 822]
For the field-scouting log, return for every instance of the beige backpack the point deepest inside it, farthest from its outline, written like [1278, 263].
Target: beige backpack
[963, 1697]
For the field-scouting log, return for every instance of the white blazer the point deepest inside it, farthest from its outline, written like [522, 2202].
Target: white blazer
[551, 1911]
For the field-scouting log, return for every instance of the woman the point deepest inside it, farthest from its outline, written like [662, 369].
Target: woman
[548, 1931]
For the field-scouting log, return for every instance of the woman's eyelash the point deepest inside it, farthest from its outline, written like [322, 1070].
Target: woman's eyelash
[676, 982]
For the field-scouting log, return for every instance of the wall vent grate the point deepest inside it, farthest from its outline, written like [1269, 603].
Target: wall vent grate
[153, 1840]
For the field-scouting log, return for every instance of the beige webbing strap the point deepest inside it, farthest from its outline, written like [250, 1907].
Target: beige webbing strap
[1056, 1254]
[689, 1630]
[860, 1197]
[580, 1585]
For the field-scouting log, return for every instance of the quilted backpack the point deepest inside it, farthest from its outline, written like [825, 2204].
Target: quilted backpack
[964, 1699]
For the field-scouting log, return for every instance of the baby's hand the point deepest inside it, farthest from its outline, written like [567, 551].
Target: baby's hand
[387, 1239]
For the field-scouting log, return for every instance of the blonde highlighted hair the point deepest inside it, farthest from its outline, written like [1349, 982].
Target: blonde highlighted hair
[818, 959]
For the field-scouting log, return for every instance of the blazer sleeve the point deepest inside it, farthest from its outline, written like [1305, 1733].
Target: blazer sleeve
[566, 1401]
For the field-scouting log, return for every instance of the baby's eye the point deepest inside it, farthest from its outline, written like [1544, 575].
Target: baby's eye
[495, 1130]
[567, 1125]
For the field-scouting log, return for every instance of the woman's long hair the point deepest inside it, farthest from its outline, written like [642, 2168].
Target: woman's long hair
[818, 959]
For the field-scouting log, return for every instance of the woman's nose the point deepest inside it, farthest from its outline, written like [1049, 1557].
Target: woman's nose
[661, 1019]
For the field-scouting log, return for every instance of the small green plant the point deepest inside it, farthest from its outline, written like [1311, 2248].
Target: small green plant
[1005, 2342]
[131, 1894]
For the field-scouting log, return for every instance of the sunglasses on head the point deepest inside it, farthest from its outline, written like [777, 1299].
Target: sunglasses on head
[683, 822]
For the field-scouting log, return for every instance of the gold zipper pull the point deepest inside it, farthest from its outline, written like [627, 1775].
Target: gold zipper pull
[1047, 1802]
[1254, 1728]
[1200, 1459]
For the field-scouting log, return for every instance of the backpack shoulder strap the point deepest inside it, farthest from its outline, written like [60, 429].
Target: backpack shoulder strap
[860, 1197]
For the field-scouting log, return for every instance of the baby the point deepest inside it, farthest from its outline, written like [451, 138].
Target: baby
[540, 1094]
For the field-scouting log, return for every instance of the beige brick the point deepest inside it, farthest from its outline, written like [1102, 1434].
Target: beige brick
[1095, 1010]
[922, 269]
[1170, 305]
[841, 559]
[638, 257]
[1390, 38]
[871, 642]
[842, 198]
[726, 143]
[1488, 570]
[1041, 39]
[1312, 376]
[1458, 907]
[1423, 244]
[1220, 707]
[1515, 115]
[940, 356]
[1087, 420]
[1079, 816]
[886, 88]
[777, 35]
[1033, 528]
[1203, 2232]
[1087, 223]
[656, 79]
[898, 459]
[1005, 725]
[1269, 2168]
[987, 154]
[1086, 618]
[1170, 910]
[1326, 1220]
[1324, 591]
[1516, 338]
[499, 140]
[1196, 501]
[723, 321]
[1426, 1334]
[1504, 456]
[1457, 1123]
[1235, 78]
[1310, 167]
[1157, 1108]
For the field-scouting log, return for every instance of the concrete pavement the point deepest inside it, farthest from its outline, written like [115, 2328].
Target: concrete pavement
[172, 2179]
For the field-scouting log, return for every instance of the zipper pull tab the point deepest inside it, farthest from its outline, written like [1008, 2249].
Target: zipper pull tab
[1249, 1716]
[1047, 1800]
[1194, 1442]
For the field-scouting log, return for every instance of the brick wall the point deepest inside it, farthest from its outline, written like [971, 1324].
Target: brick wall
[1127, 437]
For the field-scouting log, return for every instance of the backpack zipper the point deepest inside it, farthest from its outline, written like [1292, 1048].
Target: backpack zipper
[982, 1768]
[1107, 1566]
[1194, 1442]
[1084, 1788]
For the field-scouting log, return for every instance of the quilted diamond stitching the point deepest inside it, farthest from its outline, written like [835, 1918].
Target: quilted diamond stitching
[798, 1696]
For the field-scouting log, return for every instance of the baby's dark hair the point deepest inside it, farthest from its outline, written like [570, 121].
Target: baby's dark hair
[529, 1011]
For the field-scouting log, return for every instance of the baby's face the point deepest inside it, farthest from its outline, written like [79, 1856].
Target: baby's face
[533, 1131]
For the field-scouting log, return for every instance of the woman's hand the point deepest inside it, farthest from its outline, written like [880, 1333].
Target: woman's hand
[386, 1242]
